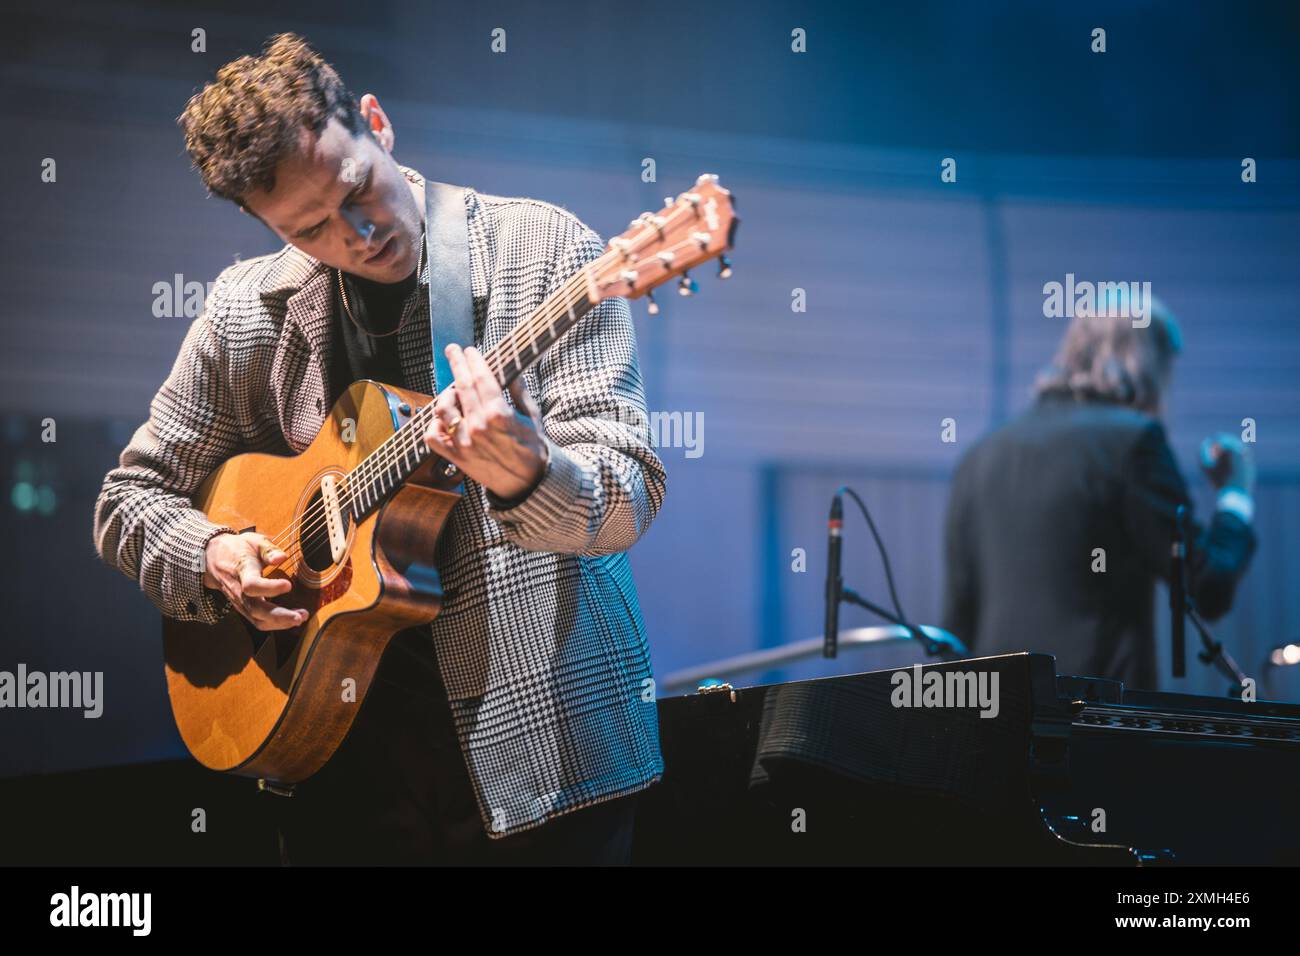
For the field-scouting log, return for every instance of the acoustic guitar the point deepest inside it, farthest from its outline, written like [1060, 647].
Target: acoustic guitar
[359, 513]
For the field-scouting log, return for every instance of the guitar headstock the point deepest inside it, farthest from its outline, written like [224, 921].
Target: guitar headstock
[697, 226]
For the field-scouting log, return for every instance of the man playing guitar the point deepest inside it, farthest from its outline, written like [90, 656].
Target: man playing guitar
[517, 727]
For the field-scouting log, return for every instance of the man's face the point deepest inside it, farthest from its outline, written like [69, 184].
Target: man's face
[341, 199]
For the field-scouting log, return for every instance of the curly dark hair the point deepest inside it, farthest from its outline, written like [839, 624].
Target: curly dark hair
[239, 127]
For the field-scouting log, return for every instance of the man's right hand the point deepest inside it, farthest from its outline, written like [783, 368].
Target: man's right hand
[1227, 463]
[233, 565]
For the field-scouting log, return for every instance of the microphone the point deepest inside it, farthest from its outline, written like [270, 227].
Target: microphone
[834, 580]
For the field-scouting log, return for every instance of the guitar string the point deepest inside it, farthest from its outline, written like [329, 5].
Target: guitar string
[400, 445]
[538, 319]
[534, 321]
[365, 475]
[404, 441]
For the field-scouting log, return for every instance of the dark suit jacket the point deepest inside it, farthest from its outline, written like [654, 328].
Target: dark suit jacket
[1029, 505]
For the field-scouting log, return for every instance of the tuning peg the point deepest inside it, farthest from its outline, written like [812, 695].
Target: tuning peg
[724, 267]
[651, 305]
[686, 285]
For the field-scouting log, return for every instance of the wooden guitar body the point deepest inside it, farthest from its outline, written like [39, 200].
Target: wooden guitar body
[276, 704]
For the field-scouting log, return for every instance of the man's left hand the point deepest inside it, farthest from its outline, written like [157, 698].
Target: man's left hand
[498, 446]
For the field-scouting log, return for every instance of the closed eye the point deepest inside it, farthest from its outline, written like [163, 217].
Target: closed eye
[310, 233]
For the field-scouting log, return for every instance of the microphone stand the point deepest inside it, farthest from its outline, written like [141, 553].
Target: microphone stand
[836, 592]
[932, 647]
[1178, 594]
[1215, 656]
[1182, 609]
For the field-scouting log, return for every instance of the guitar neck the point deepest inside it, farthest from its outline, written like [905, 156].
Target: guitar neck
[378, 477]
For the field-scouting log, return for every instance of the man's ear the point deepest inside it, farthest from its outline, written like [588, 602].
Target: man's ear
[248, 212]
[377, 121]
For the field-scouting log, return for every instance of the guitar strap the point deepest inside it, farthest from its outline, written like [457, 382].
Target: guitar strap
[451, 304]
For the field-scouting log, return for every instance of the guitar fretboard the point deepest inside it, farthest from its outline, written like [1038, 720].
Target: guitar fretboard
[374, 480]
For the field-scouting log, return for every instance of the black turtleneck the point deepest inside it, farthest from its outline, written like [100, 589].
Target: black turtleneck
[378, 308]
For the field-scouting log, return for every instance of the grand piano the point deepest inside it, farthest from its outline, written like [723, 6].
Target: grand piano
[1070, 770]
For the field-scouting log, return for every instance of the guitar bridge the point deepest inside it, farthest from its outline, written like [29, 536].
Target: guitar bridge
[338, 536]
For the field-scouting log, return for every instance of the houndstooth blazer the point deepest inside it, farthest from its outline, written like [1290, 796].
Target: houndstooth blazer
[540, 640]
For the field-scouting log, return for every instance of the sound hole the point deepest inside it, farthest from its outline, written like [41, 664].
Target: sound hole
[314, 536]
